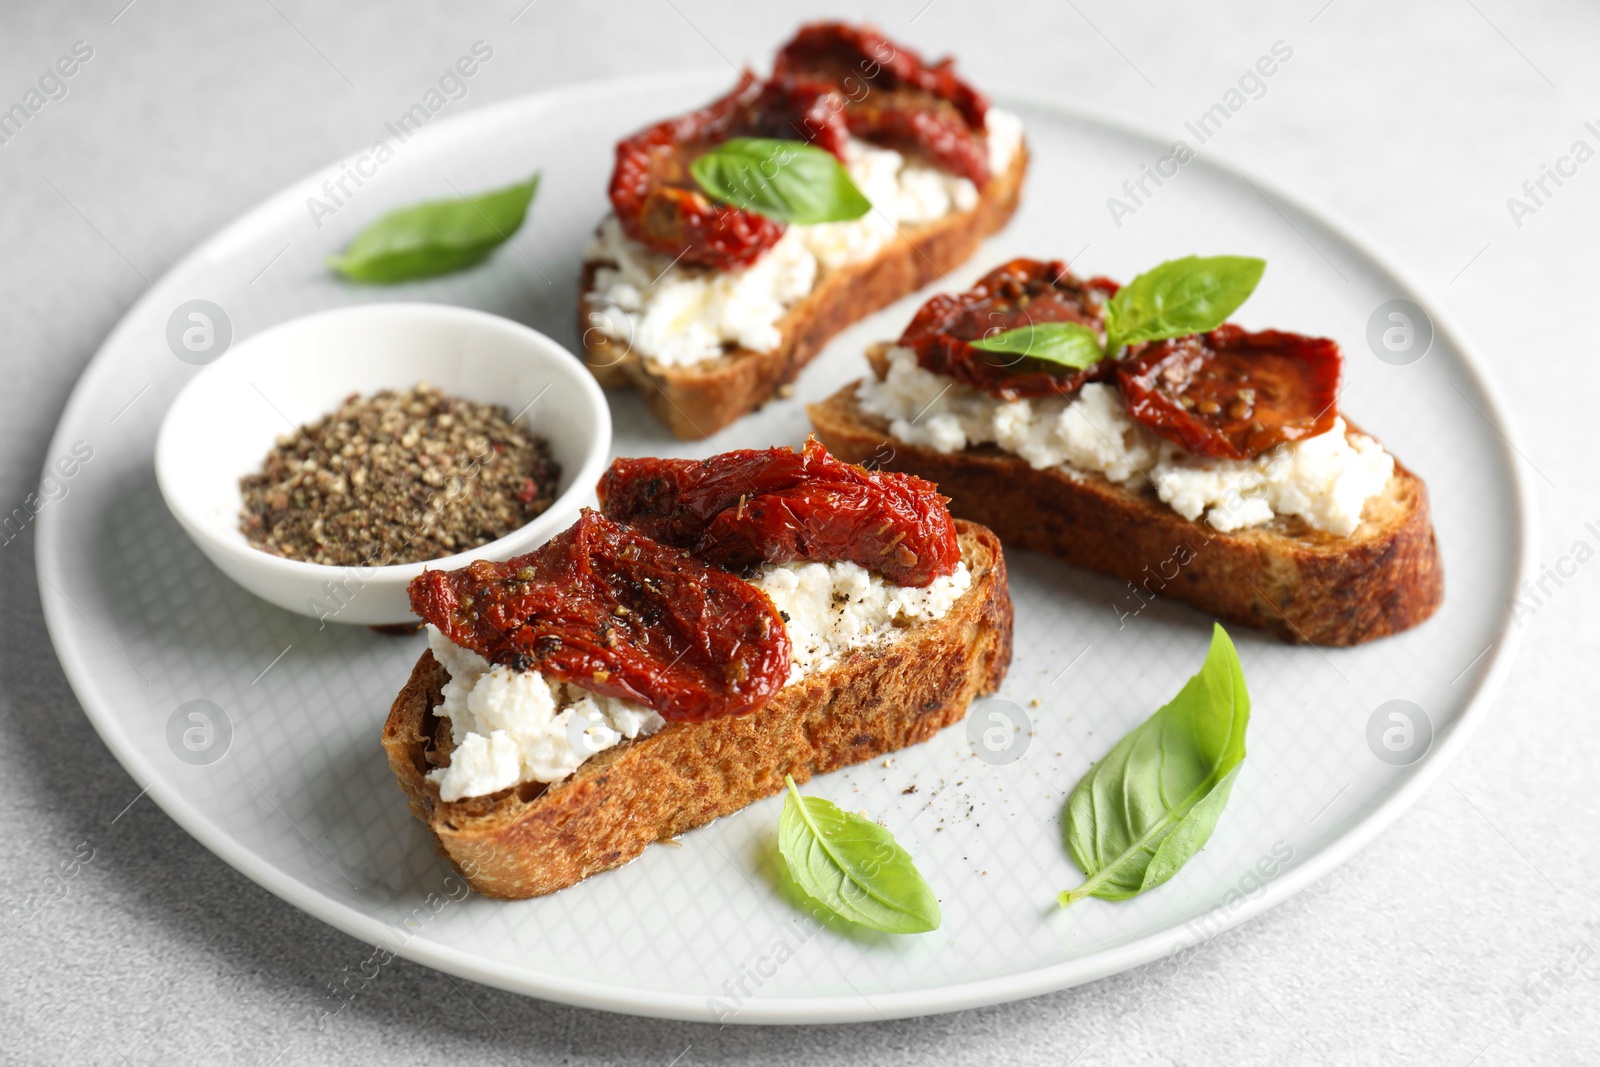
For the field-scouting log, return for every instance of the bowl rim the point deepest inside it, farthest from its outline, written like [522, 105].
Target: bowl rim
[538, 345]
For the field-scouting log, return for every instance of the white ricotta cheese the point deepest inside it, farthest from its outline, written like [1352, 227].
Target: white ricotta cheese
[1326, 480]
[1004, 130]
[836, 608]
[513, 726]
[681, 315]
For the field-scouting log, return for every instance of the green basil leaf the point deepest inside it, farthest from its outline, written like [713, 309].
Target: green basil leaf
[1180, 297]
[790, 181]
[1070, 344]
[853, 867]
[437, 237]
[1152, 802]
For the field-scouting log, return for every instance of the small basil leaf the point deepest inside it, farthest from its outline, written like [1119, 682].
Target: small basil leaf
[1070, 344]
[1180, 297]
[853, 867]
[437, 237]
[1140, 813]
[790, 181]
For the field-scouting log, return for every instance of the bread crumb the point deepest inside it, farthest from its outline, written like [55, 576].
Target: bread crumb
[888, 762]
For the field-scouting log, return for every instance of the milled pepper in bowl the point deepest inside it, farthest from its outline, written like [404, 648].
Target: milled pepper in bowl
[397, 477]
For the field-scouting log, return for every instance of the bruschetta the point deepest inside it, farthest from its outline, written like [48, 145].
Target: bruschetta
[1213, 467]
[720, 625]
[710, 285]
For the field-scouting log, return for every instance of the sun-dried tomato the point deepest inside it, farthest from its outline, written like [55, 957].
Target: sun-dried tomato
[615, 612]
[916, 125]
[1234, 394]
[833, 80]
[778, 505]
[658, 203]
[892, 96]
[1020, 293]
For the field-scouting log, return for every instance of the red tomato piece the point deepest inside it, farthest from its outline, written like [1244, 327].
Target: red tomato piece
[658, 203]
[1234, 394]
[777, 505]
[615, 612]
[1020, 293]
[893, 96]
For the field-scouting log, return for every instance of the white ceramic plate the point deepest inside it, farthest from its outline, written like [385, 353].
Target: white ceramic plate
[282, 775]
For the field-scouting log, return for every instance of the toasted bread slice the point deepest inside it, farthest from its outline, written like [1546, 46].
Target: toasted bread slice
[1303, 584]
[535, 839]
[699, 400]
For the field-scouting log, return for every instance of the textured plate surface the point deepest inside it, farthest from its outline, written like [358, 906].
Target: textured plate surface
[288, 783]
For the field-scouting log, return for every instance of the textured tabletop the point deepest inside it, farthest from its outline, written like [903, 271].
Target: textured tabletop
[1458, 135]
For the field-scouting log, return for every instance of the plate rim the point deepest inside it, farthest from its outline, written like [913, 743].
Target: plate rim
[814, 1009]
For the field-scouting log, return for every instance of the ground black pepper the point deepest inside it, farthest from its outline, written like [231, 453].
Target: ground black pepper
[397, 477]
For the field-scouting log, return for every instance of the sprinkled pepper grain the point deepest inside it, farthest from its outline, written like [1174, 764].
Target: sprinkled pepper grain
[397, 477]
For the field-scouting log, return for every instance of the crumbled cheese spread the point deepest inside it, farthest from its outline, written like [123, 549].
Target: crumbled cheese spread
[681, 315]
[1325, 480]
[513, 726]
[835, 608]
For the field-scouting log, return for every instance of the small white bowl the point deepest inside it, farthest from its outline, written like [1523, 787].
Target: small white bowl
[224, 422]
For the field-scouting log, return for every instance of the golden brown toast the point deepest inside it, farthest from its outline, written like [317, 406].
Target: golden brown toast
[535, 839]
[1303, 584]
[699, 400]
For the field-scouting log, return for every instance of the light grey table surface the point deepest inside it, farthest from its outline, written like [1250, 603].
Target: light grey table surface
[1469, 933]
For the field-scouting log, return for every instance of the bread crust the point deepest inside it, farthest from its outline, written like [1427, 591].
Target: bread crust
[532, 839]
[697, 401]
[1303, 584]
